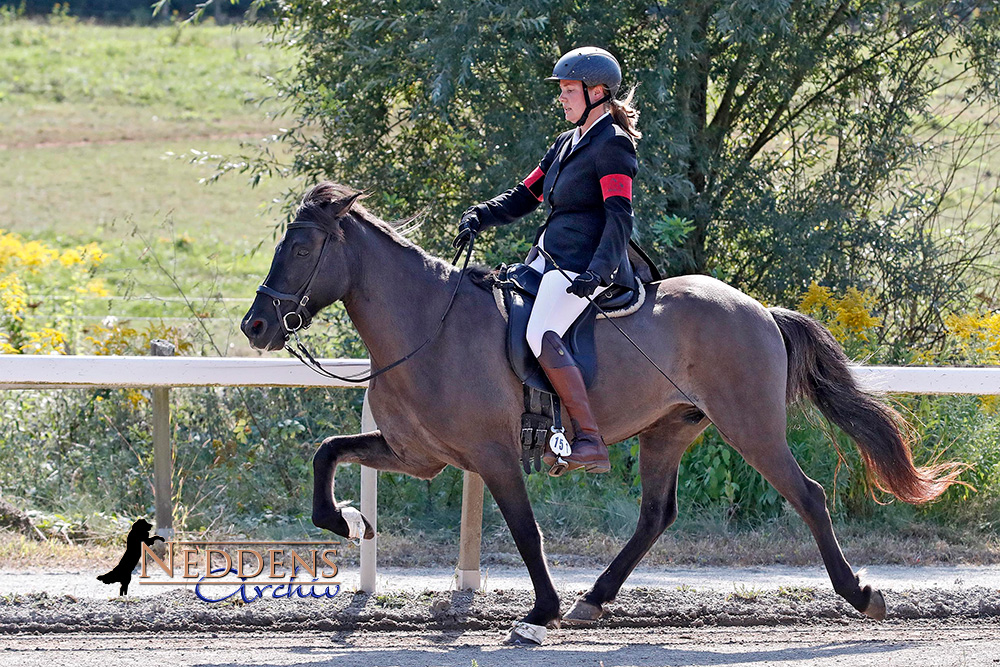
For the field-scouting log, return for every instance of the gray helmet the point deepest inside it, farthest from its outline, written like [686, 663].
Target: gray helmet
[591, 65]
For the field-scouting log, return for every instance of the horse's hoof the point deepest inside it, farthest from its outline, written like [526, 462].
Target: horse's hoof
[876, 605]
[583, 613]
[358, 525]
[369, 531]
[526, 634]
[347, 522]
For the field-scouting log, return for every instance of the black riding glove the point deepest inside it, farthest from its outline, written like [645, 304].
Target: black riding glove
[467, 228]
[584, 284]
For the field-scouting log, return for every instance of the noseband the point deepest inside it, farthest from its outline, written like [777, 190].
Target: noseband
[303, 318]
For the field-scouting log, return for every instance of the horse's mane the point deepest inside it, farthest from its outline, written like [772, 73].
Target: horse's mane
[313, 208]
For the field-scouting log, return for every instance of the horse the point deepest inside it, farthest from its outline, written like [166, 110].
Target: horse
[456, 402]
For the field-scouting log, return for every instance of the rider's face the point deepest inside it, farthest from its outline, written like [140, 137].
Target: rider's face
[571, 99]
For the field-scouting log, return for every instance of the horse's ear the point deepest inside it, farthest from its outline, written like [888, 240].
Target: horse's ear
[338, 208]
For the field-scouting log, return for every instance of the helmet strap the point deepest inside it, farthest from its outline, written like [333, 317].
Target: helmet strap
[590, 105]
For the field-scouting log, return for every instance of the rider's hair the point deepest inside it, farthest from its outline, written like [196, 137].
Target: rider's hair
[625, 115]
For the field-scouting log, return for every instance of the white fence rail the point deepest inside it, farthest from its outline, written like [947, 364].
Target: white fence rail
[162, 373]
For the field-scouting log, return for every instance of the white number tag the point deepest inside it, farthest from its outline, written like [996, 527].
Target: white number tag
[560, 445]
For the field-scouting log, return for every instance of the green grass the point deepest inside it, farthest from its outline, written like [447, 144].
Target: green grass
[99, 128]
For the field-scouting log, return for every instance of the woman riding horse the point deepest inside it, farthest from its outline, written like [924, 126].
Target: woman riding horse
[586, 178]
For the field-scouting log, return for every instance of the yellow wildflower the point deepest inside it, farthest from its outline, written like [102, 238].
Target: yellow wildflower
[815, 299]
[35, 255]
[71, 257]
[46, 341]
[134, 397]
[92, 254]
[95, 287]
[977, 336]
[13, 296]
[10, 245]
[851, 314]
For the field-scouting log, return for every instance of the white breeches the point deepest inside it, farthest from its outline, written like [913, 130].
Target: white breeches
[554, 309]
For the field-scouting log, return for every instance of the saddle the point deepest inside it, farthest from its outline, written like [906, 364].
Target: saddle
[514, 289]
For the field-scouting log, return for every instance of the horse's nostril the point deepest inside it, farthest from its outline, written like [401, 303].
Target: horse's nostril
[257, 327]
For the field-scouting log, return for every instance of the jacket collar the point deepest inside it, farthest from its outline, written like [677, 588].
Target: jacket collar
[594, 130]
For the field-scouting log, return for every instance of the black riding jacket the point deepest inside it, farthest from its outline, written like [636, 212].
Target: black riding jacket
[589, 192]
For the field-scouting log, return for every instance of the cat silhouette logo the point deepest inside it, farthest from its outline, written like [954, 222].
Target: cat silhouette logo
[122, 573]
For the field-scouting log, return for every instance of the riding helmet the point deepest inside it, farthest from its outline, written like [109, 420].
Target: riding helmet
[591, 65]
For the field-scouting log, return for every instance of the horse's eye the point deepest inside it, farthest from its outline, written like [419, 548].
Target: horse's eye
[302, 252]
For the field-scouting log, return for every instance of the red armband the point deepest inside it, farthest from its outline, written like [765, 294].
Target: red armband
[534, 182]
[617, 185]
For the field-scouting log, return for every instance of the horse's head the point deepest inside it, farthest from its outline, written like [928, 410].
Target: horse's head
[309, 270]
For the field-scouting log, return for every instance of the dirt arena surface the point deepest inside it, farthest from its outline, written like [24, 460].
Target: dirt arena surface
[906, 644]
[645, 626]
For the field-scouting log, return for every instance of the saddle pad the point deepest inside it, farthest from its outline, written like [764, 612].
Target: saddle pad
[515, 291]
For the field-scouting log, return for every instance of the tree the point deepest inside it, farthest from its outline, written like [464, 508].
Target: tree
[784, 142]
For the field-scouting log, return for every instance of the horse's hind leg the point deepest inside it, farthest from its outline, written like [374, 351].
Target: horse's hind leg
[369, 449]
[768, 452]
[660, 450]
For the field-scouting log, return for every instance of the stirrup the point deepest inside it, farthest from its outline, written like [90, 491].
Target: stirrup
[559, 468]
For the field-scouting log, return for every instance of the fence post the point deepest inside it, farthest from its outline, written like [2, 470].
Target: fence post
[471, 536]
[163, 464]
[369, 507]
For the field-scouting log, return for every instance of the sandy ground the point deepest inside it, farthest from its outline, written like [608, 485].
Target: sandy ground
[699, 616]
[888, 645]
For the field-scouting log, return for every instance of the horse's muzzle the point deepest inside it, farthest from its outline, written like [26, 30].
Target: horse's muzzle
[261, 331]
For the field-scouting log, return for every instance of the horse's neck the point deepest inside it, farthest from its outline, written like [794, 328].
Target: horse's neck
[397, 292]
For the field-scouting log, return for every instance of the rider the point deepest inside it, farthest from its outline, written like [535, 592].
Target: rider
[586, 178]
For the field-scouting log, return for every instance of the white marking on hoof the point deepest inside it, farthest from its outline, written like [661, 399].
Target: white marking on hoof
[355, 522]
[527, 633]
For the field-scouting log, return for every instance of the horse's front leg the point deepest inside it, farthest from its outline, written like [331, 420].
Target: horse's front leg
[504, 480]
[368, 449]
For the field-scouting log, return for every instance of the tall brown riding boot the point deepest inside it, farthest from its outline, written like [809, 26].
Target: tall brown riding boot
[589, 450]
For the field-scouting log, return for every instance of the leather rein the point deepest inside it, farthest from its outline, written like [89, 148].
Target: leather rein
[303, 318]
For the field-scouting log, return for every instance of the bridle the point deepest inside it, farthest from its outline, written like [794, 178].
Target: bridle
[304, 317]
[300, 298]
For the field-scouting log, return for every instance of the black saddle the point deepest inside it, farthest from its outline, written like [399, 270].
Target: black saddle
[518, 285]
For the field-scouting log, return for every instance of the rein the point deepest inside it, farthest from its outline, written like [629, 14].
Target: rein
[304, 318]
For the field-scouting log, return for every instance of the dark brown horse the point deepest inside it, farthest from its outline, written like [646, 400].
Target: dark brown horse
[457, 402]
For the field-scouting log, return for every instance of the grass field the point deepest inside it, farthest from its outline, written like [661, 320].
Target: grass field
[98, 126]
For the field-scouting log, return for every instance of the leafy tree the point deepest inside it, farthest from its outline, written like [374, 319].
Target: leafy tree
[784, 142]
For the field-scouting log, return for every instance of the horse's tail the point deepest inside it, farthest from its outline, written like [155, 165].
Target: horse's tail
[819, 370]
